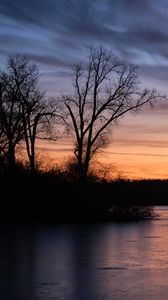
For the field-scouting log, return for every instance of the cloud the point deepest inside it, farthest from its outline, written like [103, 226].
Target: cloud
[145, 143]
[56, 33]
[138, 154]
[108, 20]
[48, 149]
[51, 60]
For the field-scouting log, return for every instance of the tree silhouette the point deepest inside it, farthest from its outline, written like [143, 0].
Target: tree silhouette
[39, 119]
[14, 83]
[105, 89]
[25, 114]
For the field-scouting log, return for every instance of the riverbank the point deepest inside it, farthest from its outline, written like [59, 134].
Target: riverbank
[48, 197]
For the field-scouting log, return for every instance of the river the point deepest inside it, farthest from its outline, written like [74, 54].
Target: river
[105, 261]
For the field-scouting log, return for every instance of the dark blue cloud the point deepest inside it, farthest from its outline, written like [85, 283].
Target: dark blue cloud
[55, 33]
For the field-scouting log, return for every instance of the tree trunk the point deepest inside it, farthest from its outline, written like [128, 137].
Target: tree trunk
[83, 169]
[11, 158]
[32, 156]
[86, 168]
[87, 161]
[32, 164]
[80, 162]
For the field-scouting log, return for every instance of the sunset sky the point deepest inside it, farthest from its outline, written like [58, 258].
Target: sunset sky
[56, 33]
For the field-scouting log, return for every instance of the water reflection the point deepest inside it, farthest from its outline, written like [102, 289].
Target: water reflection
[79, 262]
[16, 263]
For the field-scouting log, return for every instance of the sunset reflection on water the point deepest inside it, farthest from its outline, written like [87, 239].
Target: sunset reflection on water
[89, 261]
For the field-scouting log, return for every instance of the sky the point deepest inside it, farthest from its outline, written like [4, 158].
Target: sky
[56, 33]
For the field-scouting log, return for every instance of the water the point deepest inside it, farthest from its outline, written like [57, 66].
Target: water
[85, 262]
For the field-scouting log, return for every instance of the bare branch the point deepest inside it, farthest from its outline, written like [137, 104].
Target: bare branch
[105, 90]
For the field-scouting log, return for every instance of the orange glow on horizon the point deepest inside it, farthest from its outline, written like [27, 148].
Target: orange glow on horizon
[139, 148]
[124, 165]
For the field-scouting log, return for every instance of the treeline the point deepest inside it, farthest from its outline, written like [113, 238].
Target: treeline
[105, 89]
[47, 197]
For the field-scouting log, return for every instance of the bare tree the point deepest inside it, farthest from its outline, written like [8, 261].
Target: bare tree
[24, 112]
[105, 89]
[14, 82]
[39, 118]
